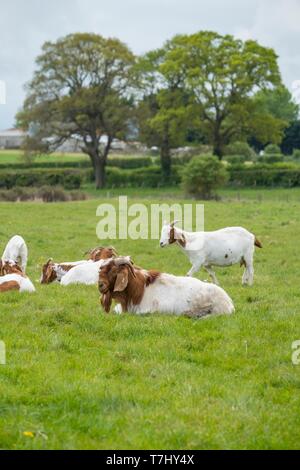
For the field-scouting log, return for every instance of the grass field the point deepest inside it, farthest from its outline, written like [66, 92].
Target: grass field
[77, 378]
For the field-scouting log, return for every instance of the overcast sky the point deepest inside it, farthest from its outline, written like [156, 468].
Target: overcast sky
[143, 24]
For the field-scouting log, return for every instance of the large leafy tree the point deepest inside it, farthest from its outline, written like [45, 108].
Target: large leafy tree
[81, 88]
[291, 138]
[223, 74]
[278, 107]
[278, 102]
[164, 109]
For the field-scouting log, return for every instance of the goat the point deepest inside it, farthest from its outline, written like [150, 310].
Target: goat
[88, 273]
[223, 247]
[55, 271]
[140, 291]
[13, 278]
[16, 250]
[95, 254]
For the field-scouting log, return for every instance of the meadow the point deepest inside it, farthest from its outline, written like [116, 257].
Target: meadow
[77, 378]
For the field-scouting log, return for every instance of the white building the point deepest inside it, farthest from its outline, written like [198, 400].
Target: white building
[12, 138]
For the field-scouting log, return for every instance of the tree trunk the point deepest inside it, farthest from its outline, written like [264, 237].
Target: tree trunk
[100, 173]
[99, 164]
[218, 149]
[165, 160]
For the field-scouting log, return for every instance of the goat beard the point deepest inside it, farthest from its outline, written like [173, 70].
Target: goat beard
[106, 301]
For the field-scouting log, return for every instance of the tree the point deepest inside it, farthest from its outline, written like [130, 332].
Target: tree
[223, 73]
[164, 110]
[291, 138]
[202, 175]
[275, 110]
[81, 88]
[278, 102]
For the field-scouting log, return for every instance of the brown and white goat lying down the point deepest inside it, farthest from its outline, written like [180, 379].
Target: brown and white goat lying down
[140, 291]
[13, 278]
[83, 272]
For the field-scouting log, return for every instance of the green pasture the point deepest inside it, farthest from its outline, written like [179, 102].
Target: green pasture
[76, 378]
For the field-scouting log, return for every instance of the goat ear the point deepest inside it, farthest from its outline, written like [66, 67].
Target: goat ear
[121, 281]
[106, 300]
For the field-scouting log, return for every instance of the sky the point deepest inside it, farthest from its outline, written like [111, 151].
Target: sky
[143, 25]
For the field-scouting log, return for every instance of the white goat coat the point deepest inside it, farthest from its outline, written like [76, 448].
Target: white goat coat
[223, 247]
[183, 296]
[86, 273]
[24, 282]
[16, 250]
[60, 272]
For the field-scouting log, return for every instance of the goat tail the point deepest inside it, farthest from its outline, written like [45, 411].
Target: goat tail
[257, 242]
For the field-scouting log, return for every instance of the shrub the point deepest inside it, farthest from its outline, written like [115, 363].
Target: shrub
[46, 193]
[69, 179]
[267, 175]
[78, 163]
[272, 154]
[271, 159]
[241, 149]
[235, 159]
[272, 149]
[296, 154]
[202, 176]
[150, 177]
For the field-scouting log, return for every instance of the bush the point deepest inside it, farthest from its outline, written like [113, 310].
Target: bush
[272, 149]
[129, 163]
[202, 176]
[241, 149]
[149, 177]
[296, 154]
[120, 162]
[69, 179]
[272, 154]
[235, 159]
[267, 175]
[269, 159]
[45, 193]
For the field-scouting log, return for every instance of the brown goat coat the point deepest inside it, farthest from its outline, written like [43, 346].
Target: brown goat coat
[9, 285]
[127, 287]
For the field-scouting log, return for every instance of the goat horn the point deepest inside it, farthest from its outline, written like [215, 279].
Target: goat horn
[114, 251]
[174, 223]
[123, 260]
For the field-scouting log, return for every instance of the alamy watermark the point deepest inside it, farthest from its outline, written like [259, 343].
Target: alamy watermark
[143, 221]
[2, 353]
[2, 92]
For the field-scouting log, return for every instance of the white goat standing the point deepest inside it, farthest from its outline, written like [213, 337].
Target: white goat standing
[225, 247]
[16, 250]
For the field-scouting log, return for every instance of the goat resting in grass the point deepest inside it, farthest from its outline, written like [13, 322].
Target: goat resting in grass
[101, 252]
[16, 250]
[140, 291]
[13, 278]
[225, 247]
[88, 273]
[55, 271]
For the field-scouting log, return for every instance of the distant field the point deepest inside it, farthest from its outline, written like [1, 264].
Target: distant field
[77, 378]
[16, 156]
